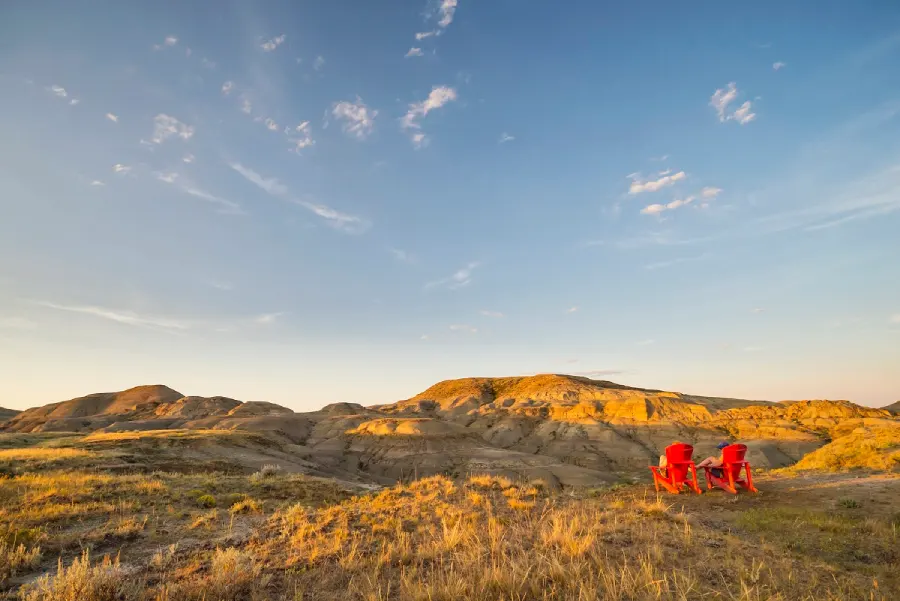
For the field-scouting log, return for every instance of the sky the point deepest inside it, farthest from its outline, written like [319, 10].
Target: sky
[334, 200]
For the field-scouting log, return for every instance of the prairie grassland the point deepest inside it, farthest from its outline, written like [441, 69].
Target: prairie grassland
[436, 539]
[101, 535]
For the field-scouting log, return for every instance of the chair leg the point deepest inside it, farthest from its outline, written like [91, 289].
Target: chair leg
[731, 487]
[749, 480]
[694, 476]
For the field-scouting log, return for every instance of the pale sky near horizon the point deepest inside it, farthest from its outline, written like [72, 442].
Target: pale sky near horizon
[320, 201]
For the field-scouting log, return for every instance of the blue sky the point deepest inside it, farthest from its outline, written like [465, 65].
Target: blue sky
[348, 201]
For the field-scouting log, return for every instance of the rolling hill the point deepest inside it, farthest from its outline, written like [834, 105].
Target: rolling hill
[565, 430]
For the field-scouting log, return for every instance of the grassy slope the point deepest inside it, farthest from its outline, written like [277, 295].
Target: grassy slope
[872, 448]
[229, 536]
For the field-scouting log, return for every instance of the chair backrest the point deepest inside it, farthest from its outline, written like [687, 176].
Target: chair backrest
[676, 456]
[731, 454]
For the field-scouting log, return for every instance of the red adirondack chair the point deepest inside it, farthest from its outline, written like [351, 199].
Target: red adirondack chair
[732, 463]
[679, 468]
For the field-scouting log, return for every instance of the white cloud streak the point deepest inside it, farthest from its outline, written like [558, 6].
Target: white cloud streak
[414, 52]
[120, 168]
[270, 45]
[227, 87]
[357, 119]
[344, 222]
[464, 328]
[301, 137]
[404, 256]
[460, 279]
[446, 12]
[743, 115]
[779, 66]
[438, 97]
[268, 318]
[425, 34]
[505, 137]
[165, 127]
[494, 314]
[638, 186]
[112, 117]
[271, 185]
[124, 317]
[656, 209]
[723, 97]
[227, 207]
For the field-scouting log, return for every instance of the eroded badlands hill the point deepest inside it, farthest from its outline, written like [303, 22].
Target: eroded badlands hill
[564, 429]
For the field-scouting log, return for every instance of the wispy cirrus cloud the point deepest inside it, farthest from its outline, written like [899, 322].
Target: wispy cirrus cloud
[124, 317]
[446, 12]
[165, 127]
[460, 279]
[438, 97]
[300, 137]
[466, 328]
[319, 63]
[61, 92]
[573, 309]
[351, 224]
[494, 314]
[722, 99]
[357, 119]
[657, 209]
[404, 256]
[779, 66]
[639, 186]
[167, 43]
[270, 45]
[269, 318]
[120, 168]
[112, 117]
[171, 325]
[673, 262]
[444, 15]
[270, 185]
[412, 52]
[225, 206]
[505, 137]
[227, 87]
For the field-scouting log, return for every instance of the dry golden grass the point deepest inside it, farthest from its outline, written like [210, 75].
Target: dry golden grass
[870, 448]
[220, 536]
[436, 539]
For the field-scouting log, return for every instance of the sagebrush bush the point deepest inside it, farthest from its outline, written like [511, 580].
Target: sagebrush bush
[14, 558]
[81, 581]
